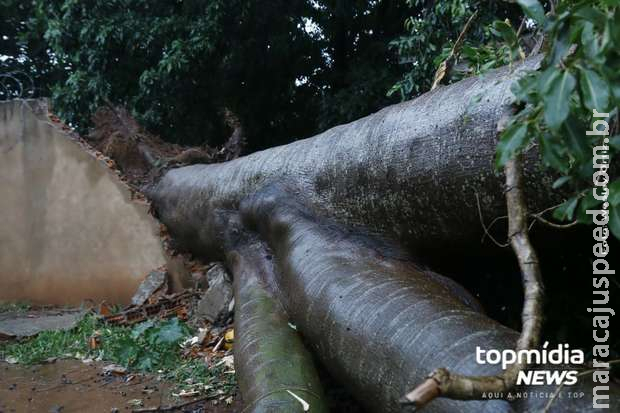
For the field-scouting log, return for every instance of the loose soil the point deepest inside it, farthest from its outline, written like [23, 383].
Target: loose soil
[70, 386]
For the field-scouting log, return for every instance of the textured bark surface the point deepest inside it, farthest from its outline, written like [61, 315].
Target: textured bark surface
[379, 323]
[398, 172]
[270, 358]
[331, 208]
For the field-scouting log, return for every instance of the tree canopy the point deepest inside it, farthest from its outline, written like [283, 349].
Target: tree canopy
[290, 69]
[285, 69]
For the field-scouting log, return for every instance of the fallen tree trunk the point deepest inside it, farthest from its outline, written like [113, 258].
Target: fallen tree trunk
[346, 291]
[410, 173]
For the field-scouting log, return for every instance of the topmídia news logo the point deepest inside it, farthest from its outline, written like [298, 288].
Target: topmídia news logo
[561, 356]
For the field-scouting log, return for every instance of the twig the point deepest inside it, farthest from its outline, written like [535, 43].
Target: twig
[539, 217]
[553, 224]
[442, 383]
[446, 65]
[486, 230]
[173, 408]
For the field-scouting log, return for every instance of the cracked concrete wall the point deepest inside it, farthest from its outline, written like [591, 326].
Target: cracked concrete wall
[69, 230]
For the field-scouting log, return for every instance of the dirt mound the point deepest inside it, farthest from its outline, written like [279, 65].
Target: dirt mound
[142, 156]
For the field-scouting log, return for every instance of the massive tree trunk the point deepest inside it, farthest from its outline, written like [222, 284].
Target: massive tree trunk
[410, 172]
[345, 212]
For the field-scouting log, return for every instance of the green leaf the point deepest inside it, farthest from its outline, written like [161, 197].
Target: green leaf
[557, 98]
[545, 79]
[170, 332]
[505, 31]
[561, 181]
[513, 139]
[533, 10]
[553, 153]
[614, 193]
[594, 89]
[614, 221]
[566, 211]
[575, 138]
[525, 88]
[592, 15]
[615, 142]
[561, 44]
[587, 202]
[589, 42]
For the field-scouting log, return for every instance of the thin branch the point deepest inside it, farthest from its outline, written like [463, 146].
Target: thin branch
[539, 217]
[486, 230]
[446, 65]
[442, 383]
[553, 224]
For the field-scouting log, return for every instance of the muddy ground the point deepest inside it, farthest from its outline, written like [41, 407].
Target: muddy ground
[71, 386]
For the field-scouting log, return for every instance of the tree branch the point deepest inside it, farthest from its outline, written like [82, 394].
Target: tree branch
[442, 383]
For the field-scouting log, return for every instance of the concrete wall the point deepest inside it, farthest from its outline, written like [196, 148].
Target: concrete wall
[68, 229]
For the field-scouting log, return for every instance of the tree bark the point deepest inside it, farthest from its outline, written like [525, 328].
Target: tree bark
[409, 172]
[345, 212]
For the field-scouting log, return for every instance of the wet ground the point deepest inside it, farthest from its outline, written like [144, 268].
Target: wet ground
[70, 386]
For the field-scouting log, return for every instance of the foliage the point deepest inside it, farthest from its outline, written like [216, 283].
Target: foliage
[151, 346]
[285, 69]
[14, 307]
[432, 29]
[26, 65]
[579, 74]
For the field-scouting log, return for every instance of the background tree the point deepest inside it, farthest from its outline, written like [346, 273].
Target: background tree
[286, 69]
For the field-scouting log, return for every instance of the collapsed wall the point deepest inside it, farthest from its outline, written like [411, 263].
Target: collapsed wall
[69, 229]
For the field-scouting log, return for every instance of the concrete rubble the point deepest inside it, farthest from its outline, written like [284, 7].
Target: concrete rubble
[215, 304]
[29, 324]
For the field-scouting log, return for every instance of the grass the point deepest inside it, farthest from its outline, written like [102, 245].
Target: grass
[18, 307]
[151, 346]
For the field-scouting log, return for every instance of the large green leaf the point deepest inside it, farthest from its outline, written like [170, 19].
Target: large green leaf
[533, 9]
[594, 90]
[566, 211]
[553, 153]
[561, 44]
[576, 139]
[513, 139]
[591, 14]
[557, 98]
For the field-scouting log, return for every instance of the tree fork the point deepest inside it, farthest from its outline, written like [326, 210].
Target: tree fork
[374, 317]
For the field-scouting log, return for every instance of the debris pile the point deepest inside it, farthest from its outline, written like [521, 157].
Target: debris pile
[142, 156]
[216, 304]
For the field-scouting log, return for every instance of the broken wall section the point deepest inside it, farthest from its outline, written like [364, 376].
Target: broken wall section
[69, 228]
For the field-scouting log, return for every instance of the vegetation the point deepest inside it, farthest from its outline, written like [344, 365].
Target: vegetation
[151, 346]
[579, 75]
[285, 69]
[555, 104]
[13, 307]
[431, 30]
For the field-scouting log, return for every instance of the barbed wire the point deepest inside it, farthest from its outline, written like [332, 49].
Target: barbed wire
[16, 84]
